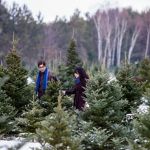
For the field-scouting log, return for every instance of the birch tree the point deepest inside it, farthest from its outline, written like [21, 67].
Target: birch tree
[97, 22]
[147, 42]
[133, 41]
[121, 29]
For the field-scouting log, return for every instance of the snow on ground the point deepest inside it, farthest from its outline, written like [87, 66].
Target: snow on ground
[7, 144]
[143, 108]
[30, 80]
[112, 77]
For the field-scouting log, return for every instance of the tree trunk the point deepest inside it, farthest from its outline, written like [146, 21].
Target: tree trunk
[147, 42]
[133, 41]
[97, 21]
[121, 33]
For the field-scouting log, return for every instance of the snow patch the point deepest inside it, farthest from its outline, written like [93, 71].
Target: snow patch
[5, 145]
[30, 80]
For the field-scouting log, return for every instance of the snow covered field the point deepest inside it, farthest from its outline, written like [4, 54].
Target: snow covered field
[7, 144]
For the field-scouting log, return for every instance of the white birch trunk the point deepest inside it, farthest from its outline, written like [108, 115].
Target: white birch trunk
[97, 21]
[121, 33]
[133, 41]
[114, 44]
[147, 42]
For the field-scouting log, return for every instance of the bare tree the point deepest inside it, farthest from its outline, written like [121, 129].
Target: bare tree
[97, 21]
[133, 41]
[114, 42]
[107, 28]
[147, 42]
[121, 29]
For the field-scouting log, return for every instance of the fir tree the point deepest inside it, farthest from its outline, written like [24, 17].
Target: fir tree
[2, 74]
[15, 86]
[7, 112]
[105, 99]
[66, 71]
[107, 105]
[132, 89]
[144, 71]
[95, 139]
[57, 128]
[141, 128]
[49, 99]
[72, 58]
[28, 121]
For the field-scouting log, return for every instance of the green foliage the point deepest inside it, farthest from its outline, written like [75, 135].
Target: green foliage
[107, 105]
[7, 112]
[142, 128]
[66, 72]
[28, 120]
[95, 139]
[132, 89]
[49, 99]
[34, 72]
[72, 58]
[1, 71]
[144, 71]
[66, 81]
[106, 101]
[16, 86]
[57, 128]
[6, 125]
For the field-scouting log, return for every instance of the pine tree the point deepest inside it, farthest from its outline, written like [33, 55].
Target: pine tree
[144, 71]
[107, 105]
[49, 99]
[1, 71]
[132, 89]
[95, 139]
[7, 112]
[57, 128]
[142, 130]
[66, 71]
[28, 121]
[15, 86]
[72, 58]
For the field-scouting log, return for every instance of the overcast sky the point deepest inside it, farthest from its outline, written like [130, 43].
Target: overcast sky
[65, 8]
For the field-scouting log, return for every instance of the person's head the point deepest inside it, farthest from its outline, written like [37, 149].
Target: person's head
[80, 72]
[41, 66]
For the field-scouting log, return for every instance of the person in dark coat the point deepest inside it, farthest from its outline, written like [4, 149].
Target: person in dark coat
[43, 76]
[79, 88]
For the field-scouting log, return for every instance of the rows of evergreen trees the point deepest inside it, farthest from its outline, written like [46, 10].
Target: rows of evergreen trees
[56, 125]
[50, 40]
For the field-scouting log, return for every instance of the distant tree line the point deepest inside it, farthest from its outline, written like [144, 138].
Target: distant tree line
[107, 37]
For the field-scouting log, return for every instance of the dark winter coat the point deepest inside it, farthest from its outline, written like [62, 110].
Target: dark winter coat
[40, 89]
[79, 98]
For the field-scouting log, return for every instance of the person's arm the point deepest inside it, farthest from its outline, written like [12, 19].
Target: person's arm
[72, 90]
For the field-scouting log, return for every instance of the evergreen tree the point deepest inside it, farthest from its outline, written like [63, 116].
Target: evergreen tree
[16, 86]
[132, 89]
[141, 140]
[72, 58]
[95, 139]
[144, 71]
[66, 71]
[142, 128]
[1, 71]
[7, 112]
[49, 99]
[28, 121]
[57, 128]
[107, 105]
